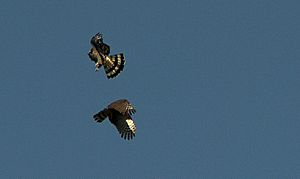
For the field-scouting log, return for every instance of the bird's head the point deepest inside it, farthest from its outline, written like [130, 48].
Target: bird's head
[97, 39]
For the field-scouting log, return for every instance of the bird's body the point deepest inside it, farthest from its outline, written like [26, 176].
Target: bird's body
[119, 113]
[99, 53]
[97, 42]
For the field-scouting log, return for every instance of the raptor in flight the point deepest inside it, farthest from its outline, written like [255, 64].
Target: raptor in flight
[119, 113]
[100, 54]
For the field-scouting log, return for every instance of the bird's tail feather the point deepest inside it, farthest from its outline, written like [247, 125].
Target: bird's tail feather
[114, 64]
[100, 116]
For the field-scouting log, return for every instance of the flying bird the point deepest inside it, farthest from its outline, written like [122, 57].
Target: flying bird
[99, 53]
[119, 113]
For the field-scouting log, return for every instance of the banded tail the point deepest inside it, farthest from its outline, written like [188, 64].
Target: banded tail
[100, 116]
[113, 65]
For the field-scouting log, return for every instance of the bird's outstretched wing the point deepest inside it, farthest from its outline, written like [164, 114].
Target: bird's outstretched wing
[119, 114]
[96, 57]
[100, 116]
[113, 65]
[124, 124]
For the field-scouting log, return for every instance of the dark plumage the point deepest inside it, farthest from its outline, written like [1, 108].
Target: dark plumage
[99, 53]
[119, 113]
[97, 42]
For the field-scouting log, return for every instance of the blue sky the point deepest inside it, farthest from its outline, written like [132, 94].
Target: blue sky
[215, 84]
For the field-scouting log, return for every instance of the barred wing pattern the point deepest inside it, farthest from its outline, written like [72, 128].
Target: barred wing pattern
[113, 64]
[99, 53]
[100, 116]
[119, 113]
[124, 125]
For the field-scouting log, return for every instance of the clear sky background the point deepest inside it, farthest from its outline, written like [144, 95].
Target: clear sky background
[215, 84]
